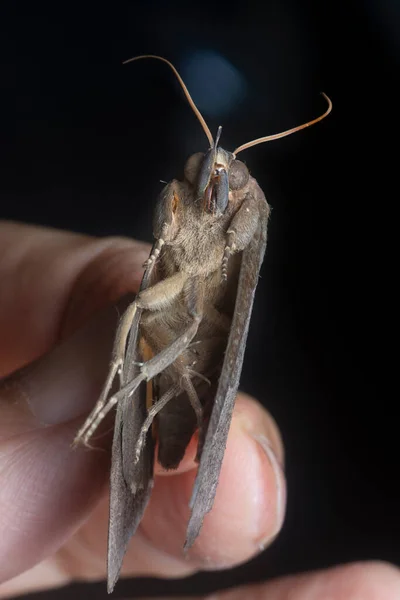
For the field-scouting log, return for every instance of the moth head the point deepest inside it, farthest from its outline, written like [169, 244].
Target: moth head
[213, 175]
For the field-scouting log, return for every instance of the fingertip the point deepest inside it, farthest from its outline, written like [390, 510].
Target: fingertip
[249, 506]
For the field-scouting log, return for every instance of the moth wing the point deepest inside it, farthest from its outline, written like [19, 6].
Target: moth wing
[127, 505]
[130, 483]
[205, 485]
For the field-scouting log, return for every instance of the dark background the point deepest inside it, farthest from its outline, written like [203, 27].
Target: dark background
[84, 142]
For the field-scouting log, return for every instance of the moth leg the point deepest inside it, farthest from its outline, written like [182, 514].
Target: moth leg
[241, 230]
[194, 373]
[162, 294]
[195, 302]
[151, 414]
[159, 295]
[171, 353]
[153, 298]
[118, 353]
[165, 222]
[157, 247]
[189, 388]
[148, 370]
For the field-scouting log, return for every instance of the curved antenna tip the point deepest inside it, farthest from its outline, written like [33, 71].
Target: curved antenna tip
[184, 88]
[329, 101]
[277, 136]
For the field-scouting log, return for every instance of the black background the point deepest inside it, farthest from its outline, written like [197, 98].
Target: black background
[84, 142]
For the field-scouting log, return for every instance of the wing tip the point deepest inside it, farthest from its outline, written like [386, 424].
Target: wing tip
[114, 565]
[192, 531]
[111, 581]
[190, 539]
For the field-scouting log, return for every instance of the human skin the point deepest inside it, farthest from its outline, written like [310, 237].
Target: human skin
[58, 298]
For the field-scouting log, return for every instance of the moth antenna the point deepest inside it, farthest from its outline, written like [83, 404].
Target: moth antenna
[185, 91]
[218, 135]
[276, 136]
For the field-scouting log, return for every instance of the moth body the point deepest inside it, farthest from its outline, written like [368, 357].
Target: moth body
[187, 280]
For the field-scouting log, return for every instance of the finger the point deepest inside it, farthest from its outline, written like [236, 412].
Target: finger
[51, 281]
[372, 580]
[46, 493]
[247, 514]
[46, 489]
[248, 511]
[32, 398]
[357, 581]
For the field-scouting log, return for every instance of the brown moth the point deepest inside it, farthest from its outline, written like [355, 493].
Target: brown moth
[185, 333]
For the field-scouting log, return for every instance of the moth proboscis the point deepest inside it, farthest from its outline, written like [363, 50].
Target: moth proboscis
[185, 333]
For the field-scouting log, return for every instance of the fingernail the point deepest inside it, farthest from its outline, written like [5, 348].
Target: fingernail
[280, 489]
[65, 383]
[262, 428]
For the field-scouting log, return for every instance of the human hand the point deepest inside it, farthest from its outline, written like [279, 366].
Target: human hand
[57, 322]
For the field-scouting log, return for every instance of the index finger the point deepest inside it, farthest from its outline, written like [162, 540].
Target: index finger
[52, 281]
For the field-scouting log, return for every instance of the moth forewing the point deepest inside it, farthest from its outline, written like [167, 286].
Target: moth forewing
[185, 333]
[206, 482]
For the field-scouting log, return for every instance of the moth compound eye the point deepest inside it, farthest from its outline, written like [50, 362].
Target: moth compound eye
[238, 175]
[192, 167]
